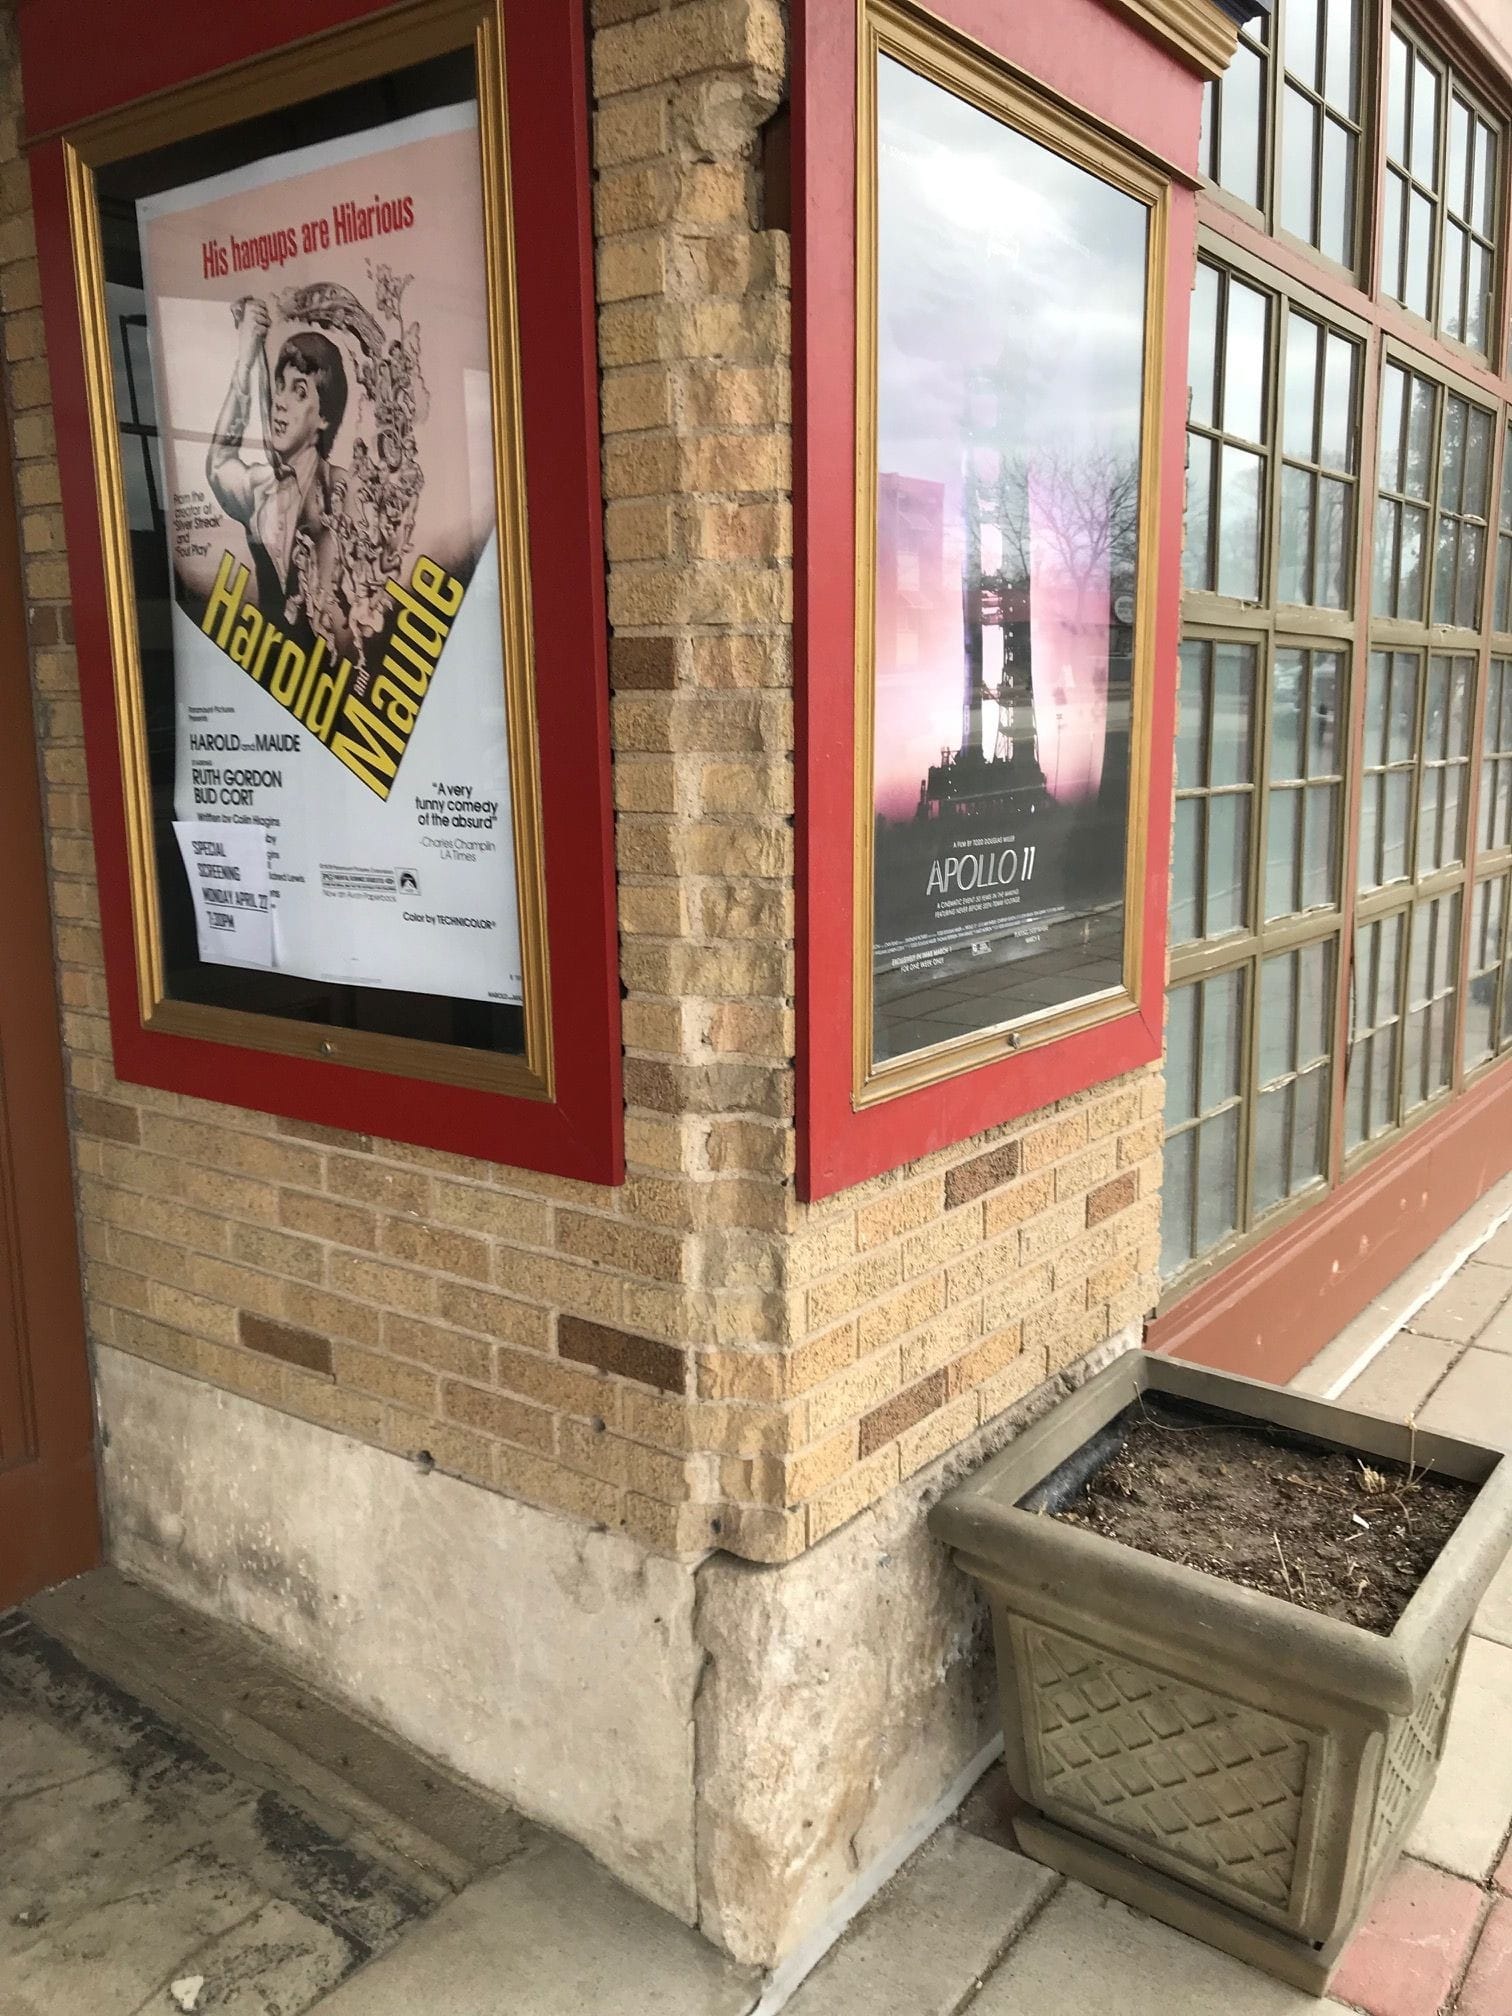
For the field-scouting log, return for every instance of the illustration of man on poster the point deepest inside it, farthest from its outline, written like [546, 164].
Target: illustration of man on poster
[286, 505]
[323, 539]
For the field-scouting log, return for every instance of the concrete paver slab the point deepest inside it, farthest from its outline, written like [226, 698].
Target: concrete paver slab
[112, 1960]
[1494, 1617]
[131, 1859]
[1465, 1821]
[1411, 1950]
[1464, 1304]
[1475, 1400]
[932, 1934]
[551, 1934]
[1401, 1378]
[1085, 1953]
[1488, 1985]
[36, 1755]
[1497, 1334]
[1497, 1250]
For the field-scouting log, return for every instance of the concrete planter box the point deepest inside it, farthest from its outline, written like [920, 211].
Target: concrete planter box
[1239, 1767]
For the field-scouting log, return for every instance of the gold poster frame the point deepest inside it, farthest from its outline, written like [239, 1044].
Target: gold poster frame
[929, 48]
[329, 62]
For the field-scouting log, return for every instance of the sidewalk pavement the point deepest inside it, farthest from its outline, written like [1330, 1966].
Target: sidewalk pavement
[204, 1852]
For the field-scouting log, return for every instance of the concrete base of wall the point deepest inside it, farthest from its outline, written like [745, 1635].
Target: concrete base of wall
[744, 1745]
[552, 1664]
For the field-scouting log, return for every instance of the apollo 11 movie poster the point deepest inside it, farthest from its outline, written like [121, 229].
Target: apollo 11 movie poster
[318, 330]
[1010, 343]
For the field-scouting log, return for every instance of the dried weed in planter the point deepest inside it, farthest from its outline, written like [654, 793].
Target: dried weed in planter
[1272, 1511]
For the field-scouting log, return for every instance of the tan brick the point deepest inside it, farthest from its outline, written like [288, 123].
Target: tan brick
[630, 129]
[370, 1372]
[939, 1340]
[1087, 1168]
[900, 1313]
[1141, 1142]
[491, 1315]
[948, 1237]
[932, 1437]
[857, 1390]
[442, 1445]
[436, 1247]
[612, 1242]
[1053, 1142]
[864, 1486]
[536, 1477]
[184, 1311]
[831, 1299]
[358, 1322]
[366, 1181]
[324, 1218]
[333, 1406]
[566, 1388]
[1016, 1296]
[441, 1349]
[984, 1360]
[981, 1269]
[899, 1211]
[1018, 1377]
[276, 1252]
[495, 1413]
[1113, 1112]
[811, 1470]
[1018, 1203]
[376, 1281]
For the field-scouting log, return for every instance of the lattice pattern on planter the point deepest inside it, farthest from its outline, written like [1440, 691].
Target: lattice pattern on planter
[1412, 1752]
[1211, 1783]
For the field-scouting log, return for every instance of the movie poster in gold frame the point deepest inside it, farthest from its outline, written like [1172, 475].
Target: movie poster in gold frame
[1010, 264]
[297, 293]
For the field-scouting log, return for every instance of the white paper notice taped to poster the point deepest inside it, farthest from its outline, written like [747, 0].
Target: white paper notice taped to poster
[227, 867]
[318, 328]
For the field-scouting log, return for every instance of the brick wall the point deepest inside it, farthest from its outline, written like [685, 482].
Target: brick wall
[696, 1358]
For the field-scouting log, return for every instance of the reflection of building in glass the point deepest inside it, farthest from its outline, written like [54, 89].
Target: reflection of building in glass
[912, 593]
[995, 773]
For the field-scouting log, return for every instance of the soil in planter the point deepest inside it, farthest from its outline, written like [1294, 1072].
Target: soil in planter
[1348, 1537]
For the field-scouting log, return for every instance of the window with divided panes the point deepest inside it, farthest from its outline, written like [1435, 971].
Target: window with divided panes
[1282, 129]
[1257, 871]
[1488, 990]
[1428, 578]
[1442, 197]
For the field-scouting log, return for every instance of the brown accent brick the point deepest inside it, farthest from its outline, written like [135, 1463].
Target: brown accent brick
[887, 1422]
[281, 1340]
[643, 664]
[1113, 1196]
[107, 1120]
[651, 1083]
[644, 1359]
[970, 1180]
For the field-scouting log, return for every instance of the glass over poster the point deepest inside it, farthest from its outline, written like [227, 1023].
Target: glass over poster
[1009, 306]
[314, 419]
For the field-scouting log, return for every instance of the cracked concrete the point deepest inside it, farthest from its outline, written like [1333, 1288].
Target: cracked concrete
[132, 1860]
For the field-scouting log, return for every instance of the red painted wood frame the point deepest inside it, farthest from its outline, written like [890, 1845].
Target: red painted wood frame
[82, 58]
[1110, 72]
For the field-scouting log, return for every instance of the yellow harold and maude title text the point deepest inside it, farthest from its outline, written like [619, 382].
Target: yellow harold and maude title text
[368, 733]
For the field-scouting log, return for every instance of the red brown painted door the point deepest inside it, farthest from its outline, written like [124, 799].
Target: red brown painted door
[49, 1519]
